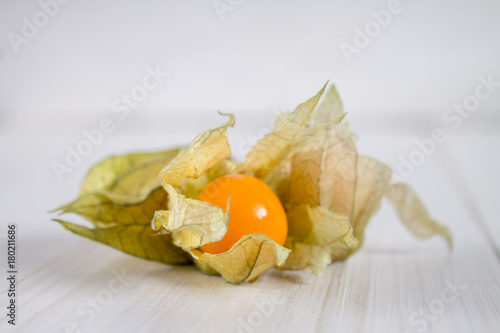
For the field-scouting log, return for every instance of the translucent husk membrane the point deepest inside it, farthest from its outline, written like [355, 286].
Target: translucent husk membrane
[310, 160]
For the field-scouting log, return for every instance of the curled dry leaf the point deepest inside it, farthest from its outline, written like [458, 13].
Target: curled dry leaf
[103, 212]
[137, 240]
[207, 149]
[310, 160]
[373, 178]
[315, 233]
[127, 178]
[274, 147]
[413, 213]
[119, 196]
[251, 256]
[192, 223]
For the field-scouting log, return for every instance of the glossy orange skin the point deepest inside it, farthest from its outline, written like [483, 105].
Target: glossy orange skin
[254, 209]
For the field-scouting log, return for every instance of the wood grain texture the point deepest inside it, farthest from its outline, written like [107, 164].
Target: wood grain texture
[394, 284]
[478, 165]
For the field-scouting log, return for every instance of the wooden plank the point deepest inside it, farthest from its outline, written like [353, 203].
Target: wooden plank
[394, 284]
[478, 161]
[374, 291]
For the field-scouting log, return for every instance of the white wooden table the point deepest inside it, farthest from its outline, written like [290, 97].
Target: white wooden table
[394, 284]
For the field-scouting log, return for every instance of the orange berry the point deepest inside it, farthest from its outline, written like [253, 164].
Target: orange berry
[254, 209]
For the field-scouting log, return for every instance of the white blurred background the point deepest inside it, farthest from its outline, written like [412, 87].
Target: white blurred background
[61, 72]
[262, 55]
